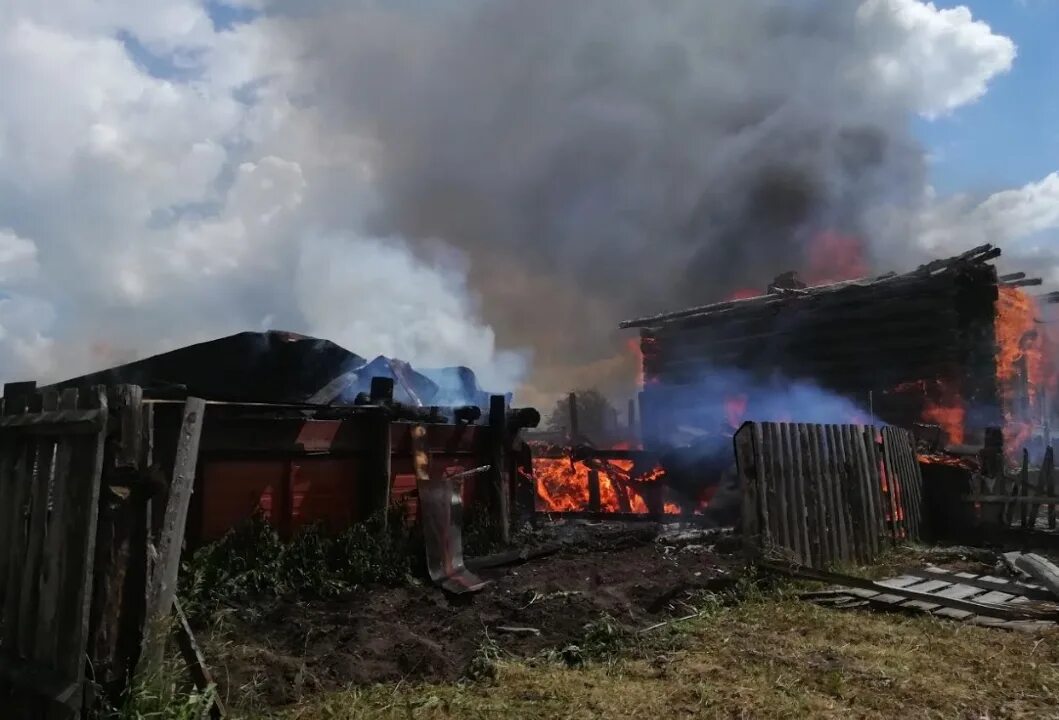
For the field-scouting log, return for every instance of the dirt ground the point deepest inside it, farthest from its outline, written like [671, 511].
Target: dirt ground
[287, 650]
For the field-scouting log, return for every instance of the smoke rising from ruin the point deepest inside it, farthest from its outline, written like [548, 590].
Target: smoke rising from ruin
[473, 182]
[605, 159]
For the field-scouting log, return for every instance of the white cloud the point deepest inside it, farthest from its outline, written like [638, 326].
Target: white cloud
[940, 58]
[18, 259]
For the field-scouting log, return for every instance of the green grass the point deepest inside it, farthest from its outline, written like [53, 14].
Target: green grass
[252, 563]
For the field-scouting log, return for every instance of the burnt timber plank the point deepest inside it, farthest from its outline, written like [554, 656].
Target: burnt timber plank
[834, 452]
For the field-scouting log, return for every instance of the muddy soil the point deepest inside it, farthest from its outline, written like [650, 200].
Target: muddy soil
[290, 648]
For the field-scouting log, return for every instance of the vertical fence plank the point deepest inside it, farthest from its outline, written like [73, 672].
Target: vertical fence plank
[827, 489]
[753, 542]
[774, 451]
[820, 485]
[867, 482]
[893, 476]
[849, 498]
[808, 489]
[765, 489]
[849, 495]
[804, 500]
[18, 520]
[51, 576]
[914, 483]
[795, 504]
[29, 592]
[835, 473]
[79, 531]
[167, 565]
[879, 528]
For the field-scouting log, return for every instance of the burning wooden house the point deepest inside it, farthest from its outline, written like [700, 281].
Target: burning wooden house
[949, 344]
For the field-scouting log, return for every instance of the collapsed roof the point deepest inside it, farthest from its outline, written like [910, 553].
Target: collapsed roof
[283, 367]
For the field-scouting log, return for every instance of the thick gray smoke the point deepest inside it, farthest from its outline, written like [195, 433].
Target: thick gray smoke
[603, 159]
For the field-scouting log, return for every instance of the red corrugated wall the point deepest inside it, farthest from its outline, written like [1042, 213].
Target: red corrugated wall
[303, 472]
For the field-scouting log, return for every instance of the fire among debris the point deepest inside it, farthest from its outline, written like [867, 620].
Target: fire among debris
[635, 484]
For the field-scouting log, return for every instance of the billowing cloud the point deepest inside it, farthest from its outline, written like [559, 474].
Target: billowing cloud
[939, 59]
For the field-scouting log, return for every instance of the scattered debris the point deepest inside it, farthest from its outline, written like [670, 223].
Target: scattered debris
[982, 600]
[1042, 570]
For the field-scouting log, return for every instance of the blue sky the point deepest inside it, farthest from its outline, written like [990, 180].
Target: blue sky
[1011, 135]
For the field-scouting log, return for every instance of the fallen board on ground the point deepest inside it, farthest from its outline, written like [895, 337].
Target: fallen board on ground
[950, 593]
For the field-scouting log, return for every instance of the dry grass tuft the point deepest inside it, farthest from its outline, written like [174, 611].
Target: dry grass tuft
[767, 658]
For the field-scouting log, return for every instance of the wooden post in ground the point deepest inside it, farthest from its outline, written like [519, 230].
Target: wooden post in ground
[573, 432]
[593, 491]
[499, 476]
[166, 568]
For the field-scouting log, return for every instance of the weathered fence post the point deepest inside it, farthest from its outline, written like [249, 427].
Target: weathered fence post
[163, 585]
[499, 477]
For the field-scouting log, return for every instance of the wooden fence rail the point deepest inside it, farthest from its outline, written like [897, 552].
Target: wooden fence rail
[827, 494]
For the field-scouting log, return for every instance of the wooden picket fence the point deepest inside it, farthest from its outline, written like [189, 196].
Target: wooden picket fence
[822, 495]
[75, 567]
[1026, 500]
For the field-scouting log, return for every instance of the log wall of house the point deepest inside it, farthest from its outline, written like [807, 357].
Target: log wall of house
[859, 338]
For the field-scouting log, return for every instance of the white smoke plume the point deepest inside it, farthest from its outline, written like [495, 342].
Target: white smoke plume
[467, 182]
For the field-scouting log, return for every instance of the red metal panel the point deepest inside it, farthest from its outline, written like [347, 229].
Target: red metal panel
[324, 490]
[233, 491]
[290, 494]
[440, 438]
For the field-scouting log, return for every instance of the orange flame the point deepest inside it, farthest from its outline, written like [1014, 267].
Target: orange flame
[562, 484]
[942, 405]
[1022, 366]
